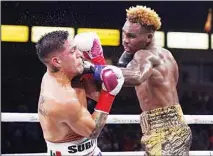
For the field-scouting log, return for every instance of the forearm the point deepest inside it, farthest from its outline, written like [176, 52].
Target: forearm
[134, 78]
[100, 120]
[131, 78]
[101, 112]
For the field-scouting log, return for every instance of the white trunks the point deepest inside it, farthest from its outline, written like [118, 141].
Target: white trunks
[83, 147]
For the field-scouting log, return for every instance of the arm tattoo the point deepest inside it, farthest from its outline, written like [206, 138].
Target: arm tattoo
[100, 121]
[134, 77]
[131, 77]
[41, 108]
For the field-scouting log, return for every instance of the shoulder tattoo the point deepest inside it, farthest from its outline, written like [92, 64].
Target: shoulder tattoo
[41, 108]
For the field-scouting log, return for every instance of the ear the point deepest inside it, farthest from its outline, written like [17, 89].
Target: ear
[56, 62]
[150, 37]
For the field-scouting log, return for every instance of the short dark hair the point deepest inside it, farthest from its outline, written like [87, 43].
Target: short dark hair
[51, 42]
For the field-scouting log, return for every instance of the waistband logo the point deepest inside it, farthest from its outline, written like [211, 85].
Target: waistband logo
[81, 147]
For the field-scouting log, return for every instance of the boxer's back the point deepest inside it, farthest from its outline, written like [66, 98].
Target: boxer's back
[52, 98]
[159, 90]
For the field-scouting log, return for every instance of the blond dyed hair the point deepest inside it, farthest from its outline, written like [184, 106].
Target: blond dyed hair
[144, 15]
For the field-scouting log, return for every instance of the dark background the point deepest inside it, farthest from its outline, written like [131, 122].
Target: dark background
[22, 71]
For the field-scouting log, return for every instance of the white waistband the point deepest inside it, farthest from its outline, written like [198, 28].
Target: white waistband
[78, 147]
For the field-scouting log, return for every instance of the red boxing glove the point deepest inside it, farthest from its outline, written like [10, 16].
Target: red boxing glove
[113, 80]
[99, 60]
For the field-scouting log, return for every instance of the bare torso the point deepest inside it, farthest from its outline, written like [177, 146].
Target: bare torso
[52, 97]
[159, 90]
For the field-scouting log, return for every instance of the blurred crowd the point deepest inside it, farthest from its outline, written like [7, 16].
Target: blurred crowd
[28, 137]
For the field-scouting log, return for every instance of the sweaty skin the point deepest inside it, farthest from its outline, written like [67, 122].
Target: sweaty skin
[62, 110]
[154, 73]
[51, 101]
[63, 113]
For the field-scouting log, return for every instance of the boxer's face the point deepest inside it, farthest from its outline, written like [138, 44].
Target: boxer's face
[134, 37]
[70, 59]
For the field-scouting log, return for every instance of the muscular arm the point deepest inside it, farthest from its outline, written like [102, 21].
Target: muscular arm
[139, 69]
[80, 120]
[134, 77]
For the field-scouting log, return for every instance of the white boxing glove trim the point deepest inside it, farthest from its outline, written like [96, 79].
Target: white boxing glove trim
[84, 41]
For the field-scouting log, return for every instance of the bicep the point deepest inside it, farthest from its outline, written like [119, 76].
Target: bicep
[136, 72]
[77, 118]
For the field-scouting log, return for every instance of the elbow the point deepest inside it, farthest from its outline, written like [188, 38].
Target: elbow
[92, 132]
[132, 82]
[138, 80]
[91, 136]
[85, 130]
[143, 77]
[95, 132]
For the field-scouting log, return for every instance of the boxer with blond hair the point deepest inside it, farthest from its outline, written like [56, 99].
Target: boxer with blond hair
[153, 72]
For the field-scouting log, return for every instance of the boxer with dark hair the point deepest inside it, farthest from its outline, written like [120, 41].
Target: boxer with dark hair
[68, 127]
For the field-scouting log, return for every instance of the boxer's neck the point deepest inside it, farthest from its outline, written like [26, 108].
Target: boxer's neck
[61, 77]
